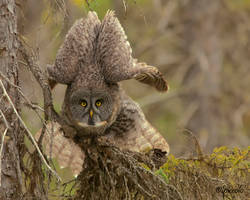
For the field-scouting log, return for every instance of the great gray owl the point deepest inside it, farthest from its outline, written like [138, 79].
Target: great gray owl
[94, 57]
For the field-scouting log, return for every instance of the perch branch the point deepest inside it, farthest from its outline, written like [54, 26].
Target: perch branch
[125, 169]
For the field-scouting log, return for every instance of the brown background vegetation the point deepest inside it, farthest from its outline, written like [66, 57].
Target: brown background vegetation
[202, 48]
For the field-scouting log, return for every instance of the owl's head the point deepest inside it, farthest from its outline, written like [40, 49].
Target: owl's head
[91, 111]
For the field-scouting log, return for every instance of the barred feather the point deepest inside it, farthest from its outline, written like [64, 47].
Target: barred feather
[103, 45]
[151, 75]
[79, 45]
[68, 154]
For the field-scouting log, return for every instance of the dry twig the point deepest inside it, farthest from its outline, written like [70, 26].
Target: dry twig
[30, 136]
[1, 150]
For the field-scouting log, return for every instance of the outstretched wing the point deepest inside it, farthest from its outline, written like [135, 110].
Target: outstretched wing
[67, 153]
[79, 45]
[133, 132]
[115, 56]
[142, 139]
[150, 75]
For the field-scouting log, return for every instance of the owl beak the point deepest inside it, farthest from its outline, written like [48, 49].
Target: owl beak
[91, 113]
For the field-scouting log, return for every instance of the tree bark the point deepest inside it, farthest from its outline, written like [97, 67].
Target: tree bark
[11, 179]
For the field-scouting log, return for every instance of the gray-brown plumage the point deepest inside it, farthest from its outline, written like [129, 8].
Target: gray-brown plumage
[95, 47]
[93, 59]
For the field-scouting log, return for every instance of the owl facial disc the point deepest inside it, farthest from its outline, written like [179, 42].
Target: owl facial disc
[90, 110]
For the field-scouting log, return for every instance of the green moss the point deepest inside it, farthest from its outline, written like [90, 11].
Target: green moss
[212, 176]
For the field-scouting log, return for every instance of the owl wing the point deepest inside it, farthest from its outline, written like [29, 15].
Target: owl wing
[142, 139]
[79, 44]
[150, 75]
[115, 56]
[67, 153]
[131, 130]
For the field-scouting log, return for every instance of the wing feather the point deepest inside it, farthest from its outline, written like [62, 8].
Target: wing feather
[79, 45]
[67, 153]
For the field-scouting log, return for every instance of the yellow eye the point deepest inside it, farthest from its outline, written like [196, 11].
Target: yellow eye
[98, 103]
[83, 103]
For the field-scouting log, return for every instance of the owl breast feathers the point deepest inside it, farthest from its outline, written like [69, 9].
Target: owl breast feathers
[94, 57]
[131, 131]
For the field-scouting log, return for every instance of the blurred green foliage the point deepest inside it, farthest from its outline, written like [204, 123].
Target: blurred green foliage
[239, 4]
[101, 7]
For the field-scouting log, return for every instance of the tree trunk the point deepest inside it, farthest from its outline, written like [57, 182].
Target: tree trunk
[11, 182]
